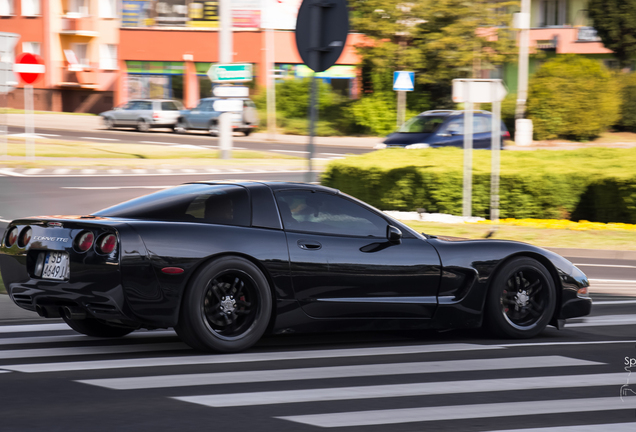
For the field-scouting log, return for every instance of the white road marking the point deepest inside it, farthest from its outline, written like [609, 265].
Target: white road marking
[404, 390]
[605, 265]
[89, 350]
[244, 358]
[88, 171]
[613, 302]
[333, 154]
[80, 338]
[621, 281]
[33, 328]
[614, 427]
[49, 135]
[32, 171]
[530, 344]
[460, 412]
[159, 143]
[100, 139]
[61, 171]
[289, 151]
[120, 173]
[5, 220]
[188, 380]
[188, 146]
[605, 320]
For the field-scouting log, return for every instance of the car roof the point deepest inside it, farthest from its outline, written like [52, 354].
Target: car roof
[445, 113]
[152, 100]
[274, 185]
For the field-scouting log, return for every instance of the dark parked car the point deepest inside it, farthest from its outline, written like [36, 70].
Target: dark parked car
[444, 128]
[205, 117]
[223, 263]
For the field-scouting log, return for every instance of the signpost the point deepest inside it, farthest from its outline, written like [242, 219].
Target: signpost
[29, 68]
[227, 73]
[321, 33]
[8, 80]
[471, 91]
[402, 82]
[231, 91]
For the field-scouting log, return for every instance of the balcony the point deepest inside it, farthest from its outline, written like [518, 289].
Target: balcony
[588, 34]
[567, 40]
[77, 25]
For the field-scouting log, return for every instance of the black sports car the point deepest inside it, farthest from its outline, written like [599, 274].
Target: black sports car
[223, 263]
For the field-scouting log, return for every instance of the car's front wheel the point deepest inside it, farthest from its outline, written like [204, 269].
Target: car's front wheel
[521, 300]
[109, 123]
[226, 308]
[94, 328]
[142, 125]
[213, 128]
[181, 127]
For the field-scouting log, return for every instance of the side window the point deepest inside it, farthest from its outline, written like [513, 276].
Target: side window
[455, 126]
[227, 206]
[322, 213]
[131, 105]
[481, 124]
[146, 106]
[169, 106]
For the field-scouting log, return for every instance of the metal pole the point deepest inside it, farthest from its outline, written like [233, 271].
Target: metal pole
[271, 84]
[225, 56]
[524, 42]
[313, 110]
[4, 127]
[401, 108]
[468, 153]
[29, 129]
[495, 153]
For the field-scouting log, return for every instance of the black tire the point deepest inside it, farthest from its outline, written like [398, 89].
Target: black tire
[247, 132]
[142, 125]
[226, 307]
[181, 127]
[109, 123]
[521, 300]
[94, 328]
[213, 129]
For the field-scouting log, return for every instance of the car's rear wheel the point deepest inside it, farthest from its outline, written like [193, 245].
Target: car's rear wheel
[92, 327]
[109, 123]
[213, 128]
[226, 307]
[247, 132]
[522, 299]
[142, 125]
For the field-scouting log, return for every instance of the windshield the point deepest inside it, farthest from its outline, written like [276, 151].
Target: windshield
[422, 124]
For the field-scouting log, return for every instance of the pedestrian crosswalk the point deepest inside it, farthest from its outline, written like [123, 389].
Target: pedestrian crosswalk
[419, 385]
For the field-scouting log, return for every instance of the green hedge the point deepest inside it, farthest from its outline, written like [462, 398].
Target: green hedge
[591, 184]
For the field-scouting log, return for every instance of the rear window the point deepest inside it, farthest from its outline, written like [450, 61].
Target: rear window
[422, 124]
[218, 204]
[169, 106]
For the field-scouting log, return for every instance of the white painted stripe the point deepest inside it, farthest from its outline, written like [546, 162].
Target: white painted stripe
[100, 139]
[28, 68]
[605, 265]
[460, 412]
[245, 358]
[33, 328]
[139, 171]
[4, 371]
[169, 381]
[33, 171]
[4, 220]
[61, 171]
[404, 390]
[605, 320]
[529, 344]
[614, 427]
[613, 302]
[289, 151]
[49, 135]
[333, 154]
[120, 173]
[80, 338]
[156, 142]
[621, 281]
[88, 171]
[89, 350]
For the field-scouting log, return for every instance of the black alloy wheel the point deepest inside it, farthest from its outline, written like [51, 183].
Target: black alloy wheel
[226, 308]
[95, 328]
[522, 299]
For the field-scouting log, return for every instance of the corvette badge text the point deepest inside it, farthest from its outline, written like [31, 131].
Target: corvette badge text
[626, 389]
[55, 239]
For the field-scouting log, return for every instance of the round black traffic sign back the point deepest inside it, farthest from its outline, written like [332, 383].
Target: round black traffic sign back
[321, 32]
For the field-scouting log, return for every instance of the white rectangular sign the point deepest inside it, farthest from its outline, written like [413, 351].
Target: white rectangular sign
[231, 91]
[478, 90]
[228, 105]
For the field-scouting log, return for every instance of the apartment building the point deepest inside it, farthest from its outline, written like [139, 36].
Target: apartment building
[78, 41]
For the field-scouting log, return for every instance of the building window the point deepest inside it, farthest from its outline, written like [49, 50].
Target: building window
[108, 56]
[30, 7]
[6, 8]
[31, 47]
[107, 8]
[553, 13]
[81, 53]
[79, 7]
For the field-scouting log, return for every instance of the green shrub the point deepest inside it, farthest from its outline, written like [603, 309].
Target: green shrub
[572, 97]
[376, 114]
[628, 102]
[588, 184]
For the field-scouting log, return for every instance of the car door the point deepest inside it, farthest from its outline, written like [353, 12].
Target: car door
[482, 126]
[450, 134]
[343, 266]
[125, 116]
[197, 116]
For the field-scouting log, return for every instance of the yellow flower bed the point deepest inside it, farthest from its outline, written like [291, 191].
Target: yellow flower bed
[563, 224]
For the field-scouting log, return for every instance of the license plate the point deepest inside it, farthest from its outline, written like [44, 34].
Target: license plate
[55, 266]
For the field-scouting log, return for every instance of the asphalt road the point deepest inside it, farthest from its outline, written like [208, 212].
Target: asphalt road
[163, 136]
[571, 380]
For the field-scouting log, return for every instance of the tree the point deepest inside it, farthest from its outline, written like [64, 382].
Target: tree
[438, 39]
[615, 23]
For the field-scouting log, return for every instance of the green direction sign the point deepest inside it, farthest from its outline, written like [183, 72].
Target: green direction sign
[235, 72]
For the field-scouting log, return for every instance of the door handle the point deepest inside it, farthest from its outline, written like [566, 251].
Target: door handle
[308, 245]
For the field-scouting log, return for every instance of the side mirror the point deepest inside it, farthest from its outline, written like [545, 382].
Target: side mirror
[393, 234]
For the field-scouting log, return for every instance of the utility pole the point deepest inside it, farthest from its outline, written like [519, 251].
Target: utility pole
[225, 56]
[523, 127]
[271, 83]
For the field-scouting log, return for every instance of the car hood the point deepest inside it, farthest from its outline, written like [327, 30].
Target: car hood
[400, 138]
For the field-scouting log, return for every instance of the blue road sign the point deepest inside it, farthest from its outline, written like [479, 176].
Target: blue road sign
[403, 81]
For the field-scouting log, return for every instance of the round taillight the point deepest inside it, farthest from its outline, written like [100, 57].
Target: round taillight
[25, 237]
[85, 241]
[11, 237]
[107, 243]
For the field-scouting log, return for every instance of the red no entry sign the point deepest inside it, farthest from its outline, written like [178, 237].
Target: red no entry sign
[29, 67]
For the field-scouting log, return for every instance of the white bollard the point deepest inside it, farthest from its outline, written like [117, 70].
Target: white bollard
[523, 132]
